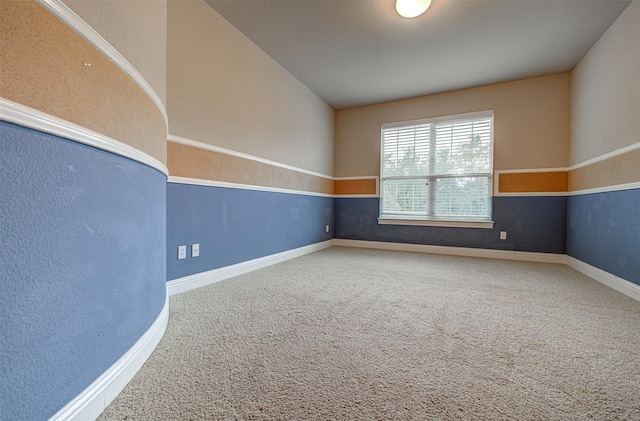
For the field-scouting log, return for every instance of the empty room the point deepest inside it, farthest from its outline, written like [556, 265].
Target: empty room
[319, 210]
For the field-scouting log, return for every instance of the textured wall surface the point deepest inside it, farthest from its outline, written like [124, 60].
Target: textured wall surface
[202, 164]
[531, 124]
[535, 224]
[224, 90]
[603, 230]
[620, 169]
[235, 225]
[605, 92]
[82, 266]
[137, 29]
[42, 65]
[604, 226]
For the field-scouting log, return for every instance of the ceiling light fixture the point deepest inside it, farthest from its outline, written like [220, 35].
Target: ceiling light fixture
[412, 8]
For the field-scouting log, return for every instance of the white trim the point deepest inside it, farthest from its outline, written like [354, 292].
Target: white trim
[23, 115]
[218, 149]
[622, 285]
[532, 170]
[75, 22]
[611, 188]
[198, 280]
[356, 196]
[616, 187]
[360, 177]
[90, 403]
[225, 184]
[527, 194]
[606, 156]
[599, 158]
[211, 183]
[437, 223]
[455, 251]
[200, 182]
[607, 189]
[627, 186]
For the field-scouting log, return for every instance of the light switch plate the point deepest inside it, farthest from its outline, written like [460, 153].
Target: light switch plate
[195, 250]
[182, 252]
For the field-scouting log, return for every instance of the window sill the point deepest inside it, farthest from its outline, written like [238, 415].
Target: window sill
[437, 223]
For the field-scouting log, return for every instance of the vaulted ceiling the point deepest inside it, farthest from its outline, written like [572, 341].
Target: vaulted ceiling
[359, 52]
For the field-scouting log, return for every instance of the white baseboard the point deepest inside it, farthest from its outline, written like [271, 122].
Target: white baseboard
[456, 251]
[201, 279]
[90, 403]
[628, 288]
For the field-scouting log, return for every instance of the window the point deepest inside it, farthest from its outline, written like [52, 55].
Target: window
[438, 171]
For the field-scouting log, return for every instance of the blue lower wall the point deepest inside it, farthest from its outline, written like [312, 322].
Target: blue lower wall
[534, 224]
[85, 242]
[236, 225]
[604, 231]
[82, 266]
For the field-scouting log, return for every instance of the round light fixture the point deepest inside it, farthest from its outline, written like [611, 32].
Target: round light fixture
[412, 8]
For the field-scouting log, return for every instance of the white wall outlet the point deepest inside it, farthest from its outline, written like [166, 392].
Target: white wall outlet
[503, 235]
[326, 228]
[195, 250]
[182, 252]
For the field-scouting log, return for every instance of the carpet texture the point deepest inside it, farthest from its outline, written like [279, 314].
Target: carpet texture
[354, 334]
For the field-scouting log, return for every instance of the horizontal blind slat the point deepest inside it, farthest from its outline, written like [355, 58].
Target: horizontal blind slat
[460, 170]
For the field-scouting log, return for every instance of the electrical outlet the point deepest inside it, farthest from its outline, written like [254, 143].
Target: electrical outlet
[326, 228]
[503, 235]
[195, 250]
[182, 252]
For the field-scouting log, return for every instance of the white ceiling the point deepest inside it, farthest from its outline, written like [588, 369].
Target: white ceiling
[360, 52]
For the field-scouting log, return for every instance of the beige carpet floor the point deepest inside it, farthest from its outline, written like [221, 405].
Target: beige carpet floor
[354, 334]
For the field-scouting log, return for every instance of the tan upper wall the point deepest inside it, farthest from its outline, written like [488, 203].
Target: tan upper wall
[225, 91]
[137, 29]
[531, 123]
[605, 91]
[42, 63]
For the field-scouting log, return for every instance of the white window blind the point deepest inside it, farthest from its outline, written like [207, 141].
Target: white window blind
[438, 168]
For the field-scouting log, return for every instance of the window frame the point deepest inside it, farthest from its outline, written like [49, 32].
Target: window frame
[463, 222]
